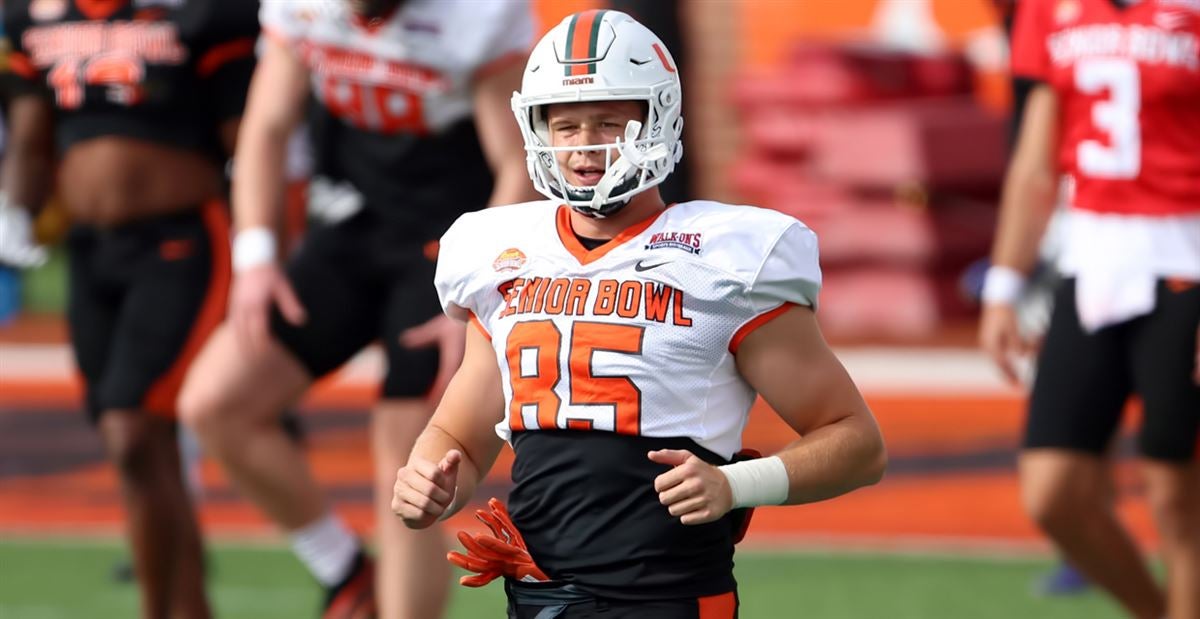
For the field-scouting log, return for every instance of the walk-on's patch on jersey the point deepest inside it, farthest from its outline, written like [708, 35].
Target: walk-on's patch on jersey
[1128, 80]
[410, 71]
[610, 353]
[637, 336]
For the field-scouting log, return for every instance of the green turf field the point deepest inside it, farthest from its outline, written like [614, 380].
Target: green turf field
[70, 580]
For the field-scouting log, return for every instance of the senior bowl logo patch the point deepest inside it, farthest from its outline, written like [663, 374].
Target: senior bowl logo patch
[510, 259]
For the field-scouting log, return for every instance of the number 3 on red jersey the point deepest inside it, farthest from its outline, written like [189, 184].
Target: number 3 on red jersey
[534, 350]
[1117, 116]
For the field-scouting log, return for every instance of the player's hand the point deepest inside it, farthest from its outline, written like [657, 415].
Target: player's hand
[693, 490]
[503, 553]
[424, 490]
[1000, 338]
[450, 337]
[254, 291]
[17, 246]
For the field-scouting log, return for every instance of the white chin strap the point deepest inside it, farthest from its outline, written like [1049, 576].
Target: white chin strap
[630, 159]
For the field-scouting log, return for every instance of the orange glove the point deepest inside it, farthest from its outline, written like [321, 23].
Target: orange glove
[503, 553]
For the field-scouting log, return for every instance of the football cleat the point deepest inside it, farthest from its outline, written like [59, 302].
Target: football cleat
[354, 597]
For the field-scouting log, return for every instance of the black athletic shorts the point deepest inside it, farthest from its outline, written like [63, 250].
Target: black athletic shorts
[1083, 380]
[363, 280]
[547, 601]
[143, 298]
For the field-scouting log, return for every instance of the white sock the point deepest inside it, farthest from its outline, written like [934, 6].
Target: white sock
[327, 548]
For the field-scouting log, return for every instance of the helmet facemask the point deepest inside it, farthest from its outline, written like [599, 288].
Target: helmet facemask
[632, 164]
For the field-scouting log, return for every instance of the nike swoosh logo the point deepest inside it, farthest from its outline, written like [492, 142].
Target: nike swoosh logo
[639, 267]
[640, 62]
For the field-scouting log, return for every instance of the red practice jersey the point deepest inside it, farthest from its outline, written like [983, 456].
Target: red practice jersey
[1128, 82]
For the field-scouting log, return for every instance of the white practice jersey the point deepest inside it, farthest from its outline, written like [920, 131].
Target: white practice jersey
[411, 71]
[637, 336]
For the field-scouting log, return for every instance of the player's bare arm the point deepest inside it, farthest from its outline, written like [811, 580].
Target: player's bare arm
[840, 447]
[26, 172]
[273, 109]
[459, 445]
[1028, 199]
[499, 136]
[26, 177]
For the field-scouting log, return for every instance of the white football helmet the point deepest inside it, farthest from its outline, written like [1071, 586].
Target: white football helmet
[602, 55]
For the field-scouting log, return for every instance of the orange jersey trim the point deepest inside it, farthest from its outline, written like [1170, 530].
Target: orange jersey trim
[160, 398]
[723, 606]
[21, 65]
[473, 319]
[566, 234]
[1179, 285]
[756, 322]
[220, 55]
[99, 9]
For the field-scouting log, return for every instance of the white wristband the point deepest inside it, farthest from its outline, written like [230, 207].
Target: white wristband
[253, 247]
[1002, 285]
[763, 481]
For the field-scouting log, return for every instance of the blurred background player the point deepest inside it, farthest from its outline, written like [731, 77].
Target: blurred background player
[410, 128]
[1116, 106]
[577, 311]
[27, 142]
[147, 98]
[1037, 298]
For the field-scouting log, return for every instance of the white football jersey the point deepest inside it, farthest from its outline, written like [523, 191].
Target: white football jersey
[637, 336]
[411, 71]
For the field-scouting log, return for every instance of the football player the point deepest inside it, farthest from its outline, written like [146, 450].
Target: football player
[617, 344]
[1115, 105]
[146, 99]
[410, 128]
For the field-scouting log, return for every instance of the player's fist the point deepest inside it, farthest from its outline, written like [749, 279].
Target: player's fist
[17, 245]
[424, 490]
[693, 490]
[254, 291]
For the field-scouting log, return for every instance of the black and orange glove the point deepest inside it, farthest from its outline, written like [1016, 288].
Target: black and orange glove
[502, 553]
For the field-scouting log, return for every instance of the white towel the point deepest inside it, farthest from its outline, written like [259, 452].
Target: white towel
[1112, 258]
[1109, 298]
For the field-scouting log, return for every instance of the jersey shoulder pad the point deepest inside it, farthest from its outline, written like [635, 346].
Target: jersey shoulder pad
[481, 246]
[291, 19]
[486, 32]
[773, 255]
